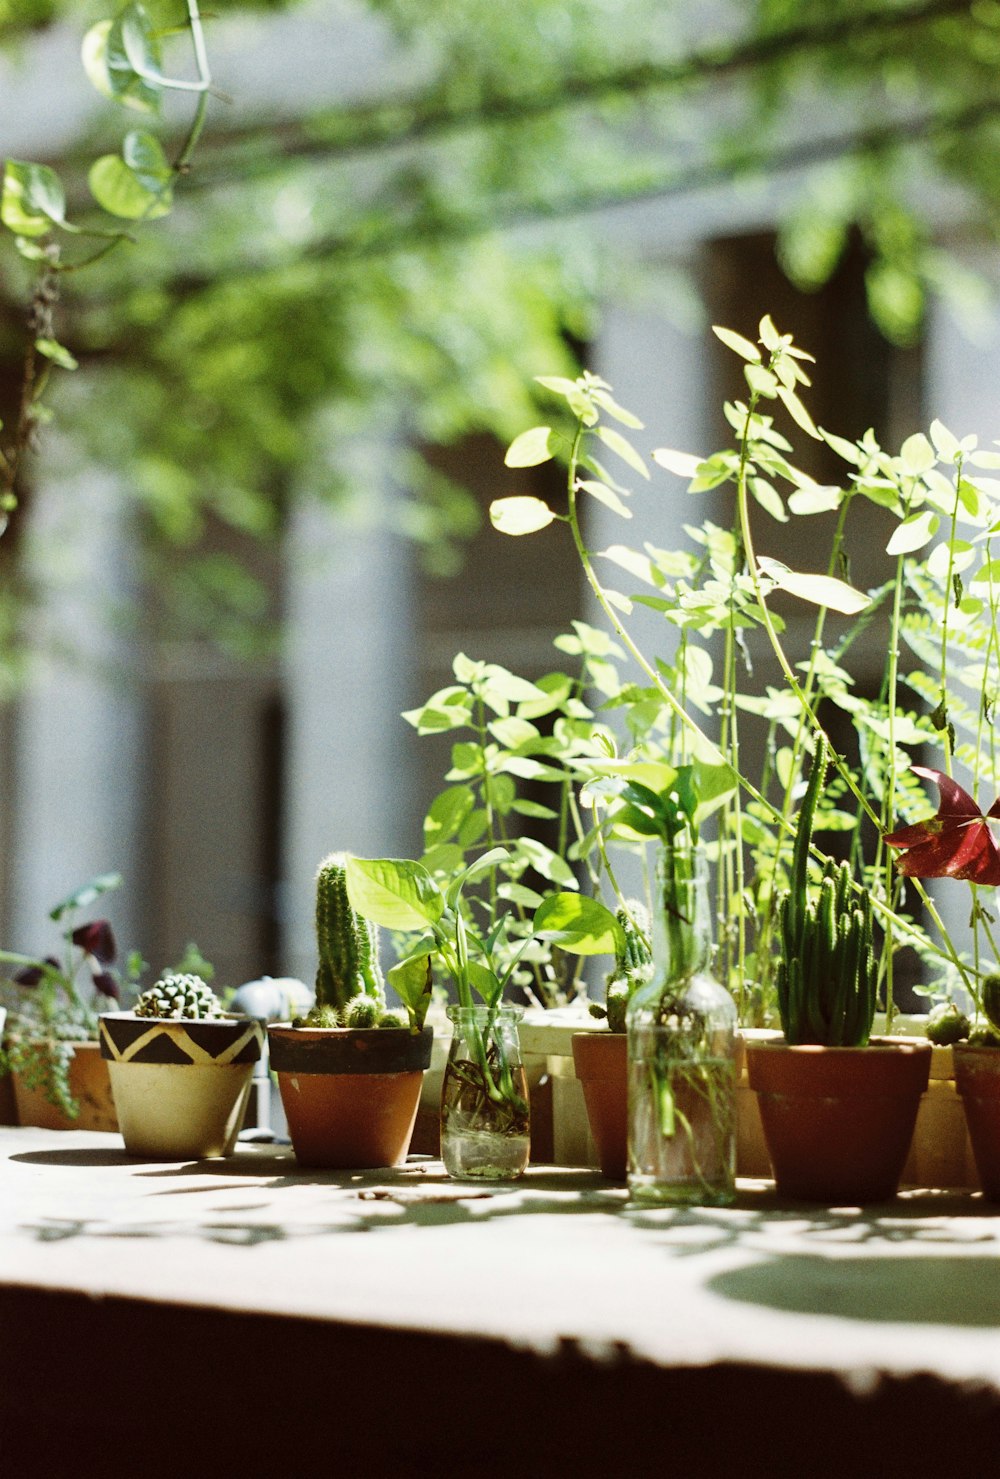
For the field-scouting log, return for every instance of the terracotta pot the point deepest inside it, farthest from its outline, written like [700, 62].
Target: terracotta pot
[601, 1062]
[977, 1078]
[350, 1094]
[180, 1087]
[89, 1085]
[838, 1121]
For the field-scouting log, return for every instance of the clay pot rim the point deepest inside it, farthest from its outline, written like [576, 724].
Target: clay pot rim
[878, 1045]
[351, 1050]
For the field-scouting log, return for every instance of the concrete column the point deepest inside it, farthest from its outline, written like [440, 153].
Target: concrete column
[78, 732]
[347, 655]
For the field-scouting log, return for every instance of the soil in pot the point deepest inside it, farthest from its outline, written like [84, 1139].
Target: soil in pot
[350, 1095]
[838, 1121]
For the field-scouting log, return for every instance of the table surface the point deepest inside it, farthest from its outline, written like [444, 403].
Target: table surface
[909, 1287]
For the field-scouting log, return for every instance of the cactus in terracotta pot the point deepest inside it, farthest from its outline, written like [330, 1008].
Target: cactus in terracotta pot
[827, 975]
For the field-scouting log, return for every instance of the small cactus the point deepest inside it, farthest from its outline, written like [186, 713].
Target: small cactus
[392, 1019]
[991, 1000]
[179, 995]
[348, 944]
[362, 1011]
[947, 1024]
[826, 977]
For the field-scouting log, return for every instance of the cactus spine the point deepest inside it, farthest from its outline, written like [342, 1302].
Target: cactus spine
[827, 976]
[348, 947]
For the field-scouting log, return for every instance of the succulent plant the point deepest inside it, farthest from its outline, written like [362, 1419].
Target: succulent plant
[348, 944]
[946, 1024]
[350, 991]
[827, 975]
[179, 995]
[633, 966]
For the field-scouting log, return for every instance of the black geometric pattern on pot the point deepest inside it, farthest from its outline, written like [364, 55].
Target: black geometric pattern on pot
[130, 1039]
[349, 1049]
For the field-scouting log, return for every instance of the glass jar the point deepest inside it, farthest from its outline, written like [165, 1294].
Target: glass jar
[682, 1053]
[485, 1122]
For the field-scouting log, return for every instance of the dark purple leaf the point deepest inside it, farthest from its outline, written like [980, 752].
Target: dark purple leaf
[30, 975]
[96, 939]
[107, 984]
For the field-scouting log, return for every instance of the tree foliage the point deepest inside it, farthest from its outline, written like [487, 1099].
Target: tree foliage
[382, 261]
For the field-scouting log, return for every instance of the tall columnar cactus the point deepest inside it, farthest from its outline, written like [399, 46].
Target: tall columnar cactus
[827, 975]
[348, 948]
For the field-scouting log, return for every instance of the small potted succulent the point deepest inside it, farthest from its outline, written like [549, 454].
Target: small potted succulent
[50, 1044]
[180, 1070]
[838, 1109]
[350, 1070]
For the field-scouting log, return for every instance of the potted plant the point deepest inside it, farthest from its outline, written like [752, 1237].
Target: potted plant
[50, 1043]
[599, 1057]
[838, 1109]
[924, 630]
[180, 1070]
[485, 1112]
[957, 843]
[350, 1071]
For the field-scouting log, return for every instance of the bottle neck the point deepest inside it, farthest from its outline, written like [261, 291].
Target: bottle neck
[682, 928]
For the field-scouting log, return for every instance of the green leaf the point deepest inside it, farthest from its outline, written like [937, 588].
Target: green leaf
[483, 980]
[86, 895]
[108, 52]
[917, 455]
[684, 464]
[530, 448]
[623, 448]
[393, 892]
[761, 381]
[769, 499]
[913, 533]
[815, 498]
[520, 514]
[631, 560]
[412, 979]
[57, 353]
[446, 814]
[579, 925]
[737, 343]
[33, 198]
[121, 192]
[798, 412]
[820, 590]
[605, 495]
[609, 404]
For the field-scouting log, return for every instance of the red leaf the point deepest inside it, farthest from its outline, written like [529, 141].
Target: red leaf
[956, 843]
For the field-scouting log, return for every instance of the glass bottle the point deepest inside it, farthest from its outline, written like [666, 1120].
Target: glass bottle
[682, 1052]
[485, 1121]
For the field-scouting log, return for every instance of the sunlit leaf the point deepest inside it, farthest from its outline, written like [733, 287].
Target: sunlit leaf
[520, 514]
[820, 590]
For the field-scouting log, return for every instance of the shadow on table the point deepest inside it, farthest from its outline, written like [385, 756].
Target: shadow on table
[936, 1289]
[417, 1194]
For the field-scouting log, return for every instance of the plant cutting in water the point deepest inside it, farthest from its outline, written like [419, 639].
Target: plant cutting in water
[402, 895]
